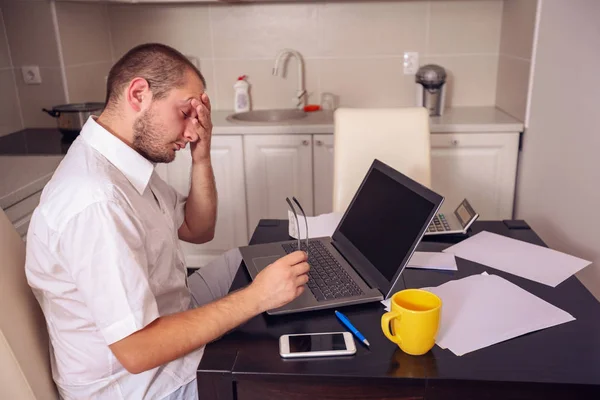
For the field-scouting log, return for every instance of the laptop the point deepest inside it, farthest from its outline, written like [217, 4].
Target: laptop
[363, 260]
[452, 223]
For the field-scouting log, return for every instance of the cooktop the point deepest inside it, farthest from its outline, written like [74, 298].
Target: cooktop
[34, 141]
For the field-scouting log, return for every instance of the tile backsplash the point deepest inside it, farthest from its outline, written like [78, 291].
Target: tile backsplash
[31, 39]
[86, 48]
[10, 111]
[351, 49]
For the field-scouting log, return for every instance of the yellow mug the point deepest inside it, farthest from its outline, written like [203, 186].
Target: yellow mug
[415, 319]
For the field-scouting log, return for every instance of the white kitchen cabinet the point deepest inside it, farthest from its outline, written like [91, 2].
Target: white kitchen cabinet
[231, 230]
[478, 166]
[277, 166]
[255, 173]
[323, 173]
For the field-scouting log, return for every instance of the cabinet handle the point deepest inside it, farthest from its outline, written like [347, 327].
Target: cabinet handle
[305, 142]
[454, 142]
[319, 143]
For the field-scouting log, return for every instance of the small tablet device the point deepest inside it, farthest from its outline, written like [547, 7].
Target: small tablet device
[317, 345]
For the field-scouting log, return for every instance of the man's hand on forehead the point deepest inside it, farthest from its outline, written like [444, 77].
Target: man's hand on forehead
[198, 104]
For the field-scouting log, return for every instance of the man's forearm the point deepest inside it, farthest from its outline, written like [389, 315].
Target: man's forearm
[201, 205]
[174, 336]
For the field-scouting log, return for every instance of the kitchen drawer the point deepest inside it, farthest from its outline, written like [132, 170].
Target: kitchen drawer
[20, 213]
[23, 208]
[22, 225]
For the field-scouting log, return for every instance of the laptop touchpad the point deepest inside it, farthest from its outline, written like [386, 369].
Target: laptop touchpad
[261, 263]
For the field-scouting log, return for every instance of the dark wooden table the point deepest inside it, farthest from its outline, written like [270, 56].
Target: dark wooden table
[561, 362]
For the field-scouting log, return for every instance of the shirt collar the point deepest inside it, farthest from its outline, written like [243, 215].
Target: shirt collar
[132, 164]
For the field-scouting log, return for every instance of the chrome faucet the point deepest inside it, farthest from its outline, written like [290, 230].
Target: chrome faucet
[300, 98]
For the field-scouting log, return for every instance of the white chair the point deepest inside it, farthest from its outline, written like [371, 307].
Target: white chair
[398, 137]
[25, 372]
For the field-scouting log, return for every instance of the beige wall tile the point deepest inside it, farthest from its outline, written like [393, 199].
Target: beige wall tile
[512, 86]
[371, 82]
[260, 30]
[518, 24]
[10, 119]
[4, 52]
[266, 90]
[84, 32]
[206, 68]
[31, 33]
[465, 27]
[35, 97]
[184, 27]
[372, 28]
[471, 79]
[86, 83]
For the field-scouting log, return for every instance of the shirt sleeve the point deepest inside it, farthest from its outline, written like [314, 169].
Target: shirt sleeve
[104, 248]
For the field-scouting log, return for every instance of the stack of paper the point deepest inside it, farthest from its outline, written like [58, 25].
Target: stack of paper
[319, 226]
[482, 310]
[527, 260]
[433, 260]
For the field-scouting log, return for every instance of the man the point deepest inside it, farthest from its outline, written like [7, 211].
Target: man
[103, 256]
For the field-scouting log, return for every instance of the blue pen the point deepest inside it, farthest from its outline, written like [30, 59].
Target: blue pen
[349, 325]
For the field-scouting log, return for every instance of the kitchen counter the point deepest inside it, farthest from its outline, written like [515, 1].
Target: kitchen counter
[458, 119]
[36, 141]
[23, 176]
[476, 120]
[314, 122]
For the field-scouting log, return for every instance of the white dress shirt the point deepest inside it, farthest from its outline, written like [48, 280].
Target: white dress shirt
[104, 261]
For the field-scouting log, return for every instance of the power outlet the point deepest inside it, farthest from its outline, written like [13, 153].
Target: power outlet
[411, 62]
[31, 75]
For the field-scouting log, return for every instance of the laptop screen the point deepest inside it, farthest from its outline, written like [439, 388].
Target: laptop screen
[387, 219]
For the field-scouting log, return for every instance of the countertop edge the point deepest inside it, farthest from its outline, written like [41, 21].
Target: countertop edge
[328, 129]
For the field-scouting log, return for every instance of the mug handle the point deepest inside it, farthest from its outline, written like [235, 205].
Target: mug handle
[385, 326]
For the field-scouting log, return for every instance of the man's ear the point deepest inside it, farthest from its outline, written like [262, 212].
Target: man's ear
[138, 94]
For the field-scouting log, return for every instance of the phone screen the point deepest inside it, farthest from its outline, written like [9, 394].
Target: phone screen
[308, 343]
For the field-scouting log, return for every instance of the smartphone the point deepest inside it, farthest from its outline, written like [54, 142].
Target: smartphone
[317, 345]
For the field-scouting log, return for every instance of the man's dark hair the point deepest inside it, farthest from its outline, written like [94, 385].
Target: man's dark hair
[162, 66]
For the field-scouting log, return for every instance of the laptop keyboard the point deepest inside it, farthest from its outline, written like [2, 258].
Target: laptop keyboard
[439, 224]
[327, 280]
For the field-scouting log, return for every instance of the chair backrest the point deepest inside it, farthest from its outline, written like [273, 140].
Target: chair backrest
[25, 372]
[398, 137]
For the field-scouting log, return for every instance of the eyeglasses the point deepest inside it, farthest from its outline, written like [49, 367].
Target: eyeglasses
[297, 224]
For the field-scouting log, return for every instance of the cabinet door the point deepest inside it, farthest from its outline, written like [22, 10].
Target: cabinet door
[277, 166]
[323, 173]
[231, 231]
[480, 167]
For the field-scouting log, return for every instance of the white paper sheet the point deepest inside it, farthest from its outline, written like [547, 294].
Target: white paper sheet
[482, 310]
[527, 260]
[319, 226]
[386, 302]
[431, 260]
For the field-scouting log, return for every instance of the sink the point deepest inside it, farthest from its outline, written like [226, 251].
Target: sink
[282, 115]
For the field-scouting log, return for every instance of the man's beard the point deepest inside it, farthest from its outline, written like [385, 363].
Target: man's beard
[147, 139]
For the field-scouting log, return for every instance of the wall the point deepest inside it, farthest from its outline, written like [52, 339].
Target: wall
[86, 49]
[354, 50]
[10, 110]
[32, 41]
[558, 191]
[516, 43]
